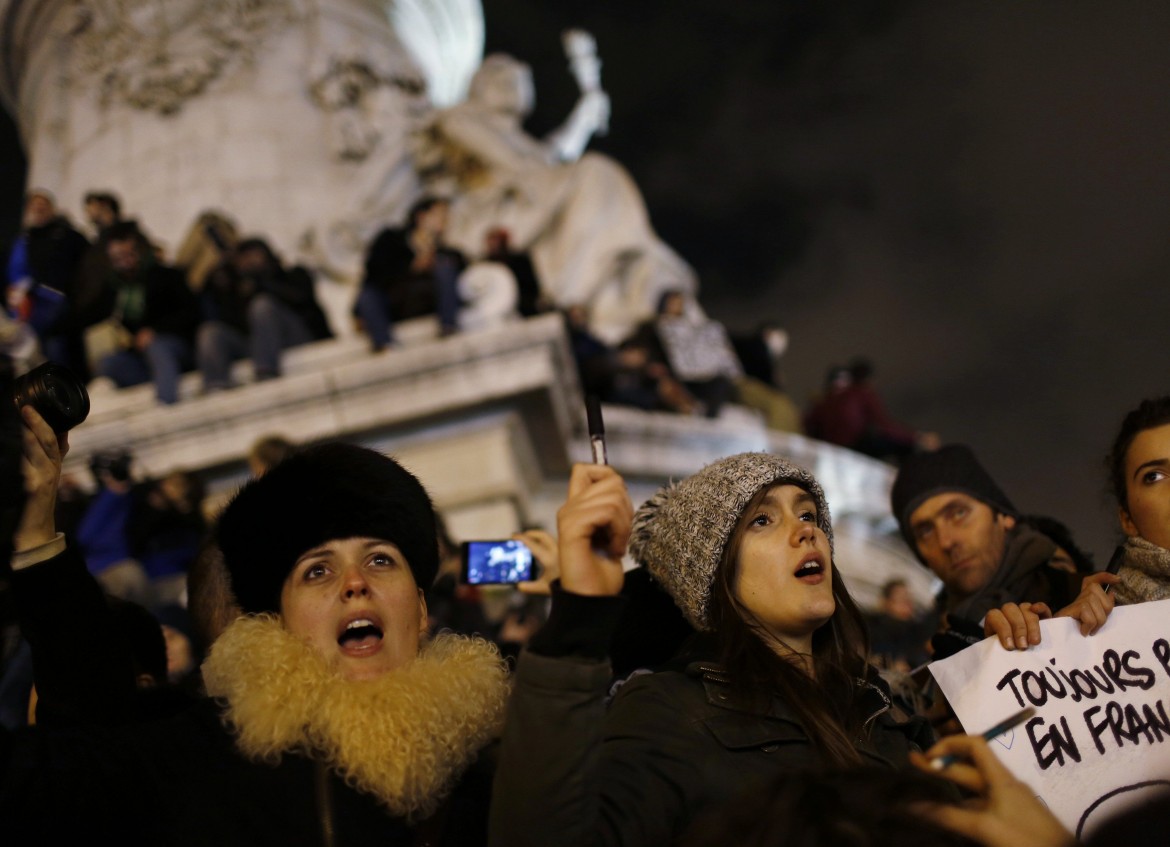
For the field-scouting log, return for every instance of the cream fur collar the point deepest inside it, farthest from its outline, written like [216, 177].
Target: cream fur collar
[404, 738]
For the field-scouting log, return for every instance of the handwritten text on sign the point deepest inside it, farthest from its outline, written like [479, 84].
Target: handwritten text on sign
[1100, 738]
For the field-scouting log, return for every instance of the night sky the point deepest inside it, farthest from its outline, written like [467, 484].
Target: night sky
[974, 195]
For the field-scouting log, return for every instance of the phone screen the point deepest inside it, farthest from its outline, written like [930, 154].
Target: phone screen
[496, 562]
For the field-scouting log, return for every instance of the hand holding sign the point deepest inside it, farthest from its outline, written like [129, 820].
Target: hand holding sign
[1102, 723]
[1093, 605]
[1016, 625]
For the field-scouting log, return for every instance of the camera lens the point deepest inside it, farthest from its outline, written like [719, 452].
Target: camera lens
[56, 393]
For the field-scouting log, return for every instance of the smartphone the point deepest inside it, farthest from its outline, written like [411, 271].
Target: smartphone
[497, 562]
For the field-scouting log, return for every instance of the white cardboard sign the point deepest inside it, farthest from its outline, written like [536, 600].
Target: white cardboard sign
[1100, 738]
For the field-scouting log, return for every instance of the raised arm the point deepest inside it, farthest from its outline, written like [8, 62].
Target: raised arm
[547, 779]
[83, 674]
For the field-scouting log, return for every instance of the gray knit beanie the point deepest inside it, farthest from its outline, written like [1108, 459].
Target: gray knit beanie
[679, 534]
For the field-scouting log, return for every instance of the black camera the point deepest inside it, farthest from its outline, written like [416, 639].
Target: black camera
[56, 393]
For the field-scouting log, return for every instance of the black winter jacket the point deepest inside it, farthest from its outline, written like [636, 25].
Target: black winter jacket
[671, 746]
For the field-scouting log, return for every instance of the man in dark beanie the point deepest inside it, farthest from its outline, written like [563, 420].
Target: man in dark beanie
[961, 525]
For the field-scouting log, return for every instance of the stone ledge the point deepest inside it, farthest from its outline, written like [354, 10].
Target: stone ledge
[350, 393]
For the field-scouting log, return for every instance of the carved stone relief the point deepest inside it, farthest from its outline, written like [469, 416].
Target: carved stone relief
[155, 55]
[348, 89]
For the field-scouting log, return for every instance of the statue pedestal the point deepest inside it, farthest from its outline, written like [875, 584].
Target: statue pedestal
[483, 419]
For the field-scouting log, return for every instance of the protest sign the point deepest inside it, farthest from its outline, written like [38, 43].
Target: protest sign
[1100, 738]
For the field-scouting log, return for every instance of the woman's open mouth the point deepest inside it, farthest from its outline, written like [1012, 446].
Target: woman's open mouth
[360, 636]
[811, 570]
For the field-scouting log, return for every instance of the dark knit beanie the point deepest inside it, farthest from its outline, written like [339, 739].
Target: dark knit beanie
[680, 533]
[950, 468]
[318, 494]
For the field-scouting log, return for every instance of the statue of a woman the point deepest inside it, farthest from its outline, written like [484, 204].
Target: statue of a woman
[580, 216]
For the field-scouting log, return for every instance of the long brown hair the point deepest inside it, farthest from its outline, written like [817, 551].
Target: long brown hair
[827, 706]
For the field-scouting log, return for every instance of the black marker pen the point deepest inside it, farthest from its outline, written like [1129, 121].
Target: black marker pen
[1115, 563]
[596, 430]
[944, 762]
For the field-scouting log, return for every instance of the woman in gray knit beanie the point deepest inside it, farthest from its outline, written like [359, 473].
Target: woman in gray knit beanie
[745, 548]
[775, 681]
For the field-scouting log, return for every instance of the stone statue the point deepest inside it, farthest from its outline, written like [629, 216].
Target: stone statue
[302, 120]
[295, 116]
[580, 215]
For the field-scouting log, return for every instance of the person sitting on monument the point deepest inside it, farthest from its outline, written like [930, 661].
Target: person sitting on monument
[498, 248]
[43, 270]
[253, 306]
[154, 311]
[625, 376]
[850, 414]
[762, 384]
[334, 719]
[103, 211]
[696, 350]
[409, 272]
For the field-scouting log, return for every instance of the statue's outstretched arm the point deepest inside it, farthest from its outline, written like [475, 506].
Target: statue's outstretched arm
[589, 116]
[499, 148]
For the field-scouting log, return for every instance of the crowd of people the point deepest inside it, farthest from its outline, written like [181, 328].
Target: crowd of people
[335, 680]
[303, 662]
[114, 308]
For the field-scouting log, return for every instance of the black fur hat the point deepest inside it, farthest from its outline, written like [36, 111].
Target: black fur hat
[318, 494]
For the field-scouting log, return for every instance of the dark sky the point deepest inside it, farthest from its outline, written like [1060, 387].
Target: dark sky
[975, 195]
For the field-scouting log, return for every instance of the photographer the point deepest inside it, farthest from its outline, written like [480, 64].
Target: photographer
[79, 681]
[102, 532]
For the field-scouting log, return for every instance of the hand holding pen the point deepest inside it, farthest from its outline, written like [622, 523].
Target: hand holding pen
[593, 525]
[945, 761]
[1005, 812]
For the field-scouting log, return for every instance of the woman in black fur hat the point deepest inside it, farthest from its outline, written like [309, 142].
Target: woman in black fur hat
[333, 719]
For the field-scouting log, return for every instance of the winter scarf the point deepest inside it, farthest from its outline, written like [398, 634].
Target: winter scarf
[405, 737]
[1145, 573]
[1026, 551]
